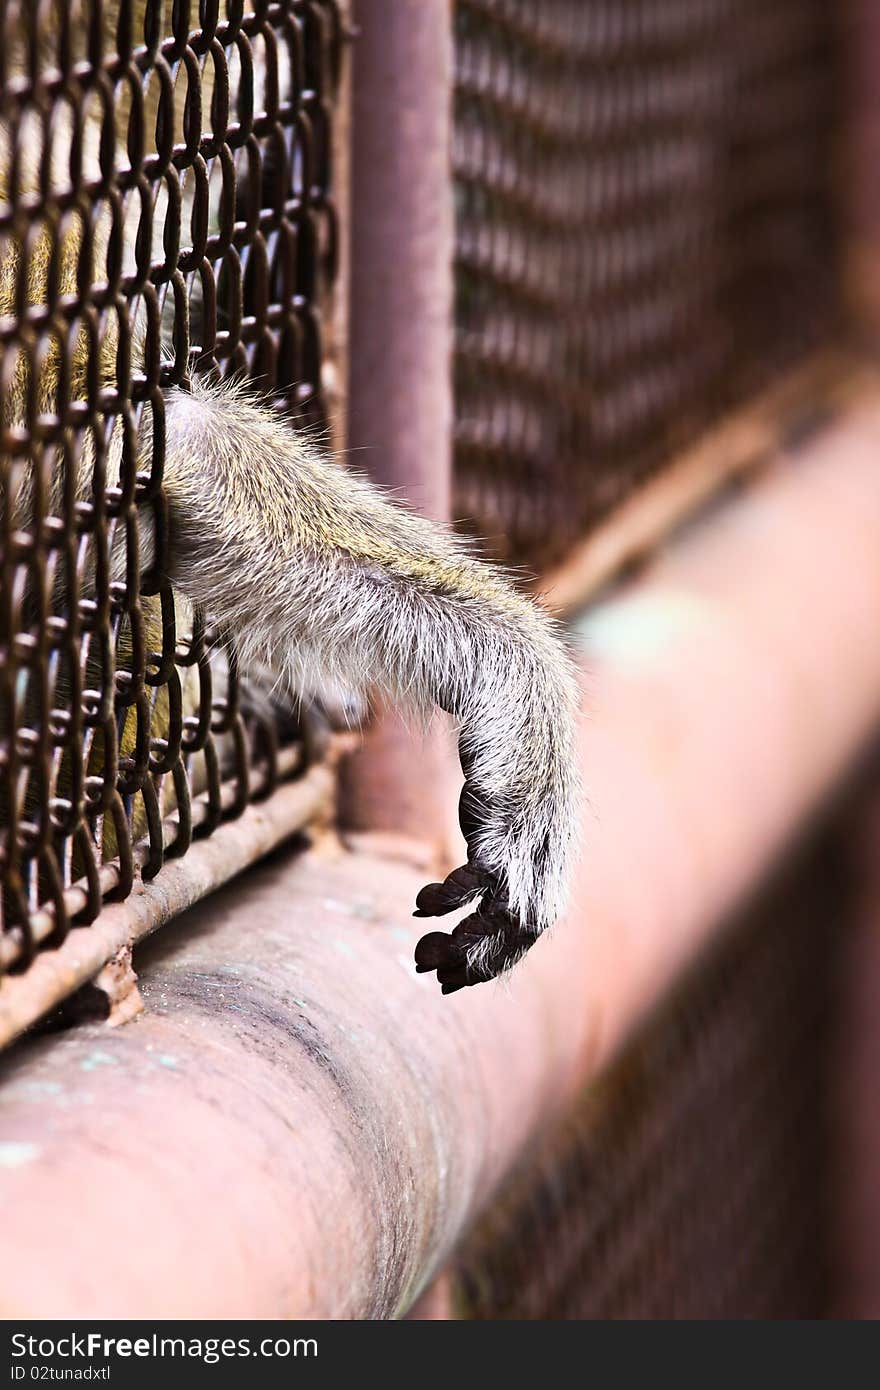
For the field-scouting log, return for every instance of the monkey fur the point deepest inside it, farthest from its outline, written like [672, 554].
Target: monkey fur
[310, 569]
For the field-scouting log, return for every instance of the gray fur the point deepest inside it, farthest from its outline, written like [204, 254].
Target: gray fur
[312, 570]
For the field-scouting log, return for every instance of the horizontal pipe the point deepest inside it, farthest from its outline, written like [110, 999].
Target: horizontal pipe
[298, 1125]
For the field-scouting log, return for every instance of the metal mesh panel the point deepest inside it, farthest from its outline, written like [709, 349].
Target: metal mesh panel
[693, 1180]
[644, 236]
[166, 209]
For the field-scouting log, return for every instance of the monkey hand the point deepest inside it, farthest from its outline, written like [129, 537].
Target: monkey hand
[492, 938]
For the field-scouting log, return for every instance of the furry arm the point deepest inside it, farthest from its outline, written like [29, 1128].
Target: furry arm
[313, 569]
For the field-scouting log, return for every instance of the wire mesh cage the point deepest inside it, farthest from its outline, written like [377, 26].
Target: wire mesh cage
[695, 1179]
[645, 236]
[166, 209]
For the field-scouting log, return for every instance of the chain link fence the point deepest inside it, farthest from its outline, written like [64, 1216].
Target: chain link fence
[167, 210]
[645, 237]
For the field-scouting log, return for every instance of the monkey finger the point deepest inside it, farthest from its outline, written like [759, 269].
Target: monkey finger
[451, 954]
[453, 980]
[460, 887]
[484, 945]
[435, 952]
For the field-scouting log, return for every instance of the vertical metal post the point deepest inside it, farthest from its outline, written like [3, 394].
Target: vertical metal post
[400, 390]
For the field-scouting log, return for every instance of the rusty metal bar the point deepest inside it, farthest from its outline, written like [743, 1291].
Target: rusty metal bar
[76, 898]
[334, 365]
[400, 390]
[299, 1125]
[208, 863]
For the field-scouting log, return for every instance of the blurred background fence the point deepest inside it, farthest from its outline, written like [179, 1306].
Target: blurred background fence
[645, 235]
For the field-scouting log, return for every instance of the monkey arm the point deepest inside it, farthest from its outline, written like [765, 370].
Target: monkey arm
[313, 569]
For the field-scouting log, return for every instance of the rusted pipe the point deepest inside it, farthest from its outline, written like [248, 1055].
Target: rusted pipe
[298, 1124]
[400, 388]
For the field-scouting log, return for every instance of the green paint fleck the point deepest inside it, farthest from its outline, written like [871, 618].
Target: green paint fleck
[343, 948]
[365, 910]
[638, 629]
[17, 1155]
[97, 1059]
[36, 1088]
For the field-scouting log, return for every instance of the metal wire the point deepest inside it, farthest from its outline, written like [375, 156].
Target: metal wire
[693, 1181]
[645, 235]
[167, 210]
